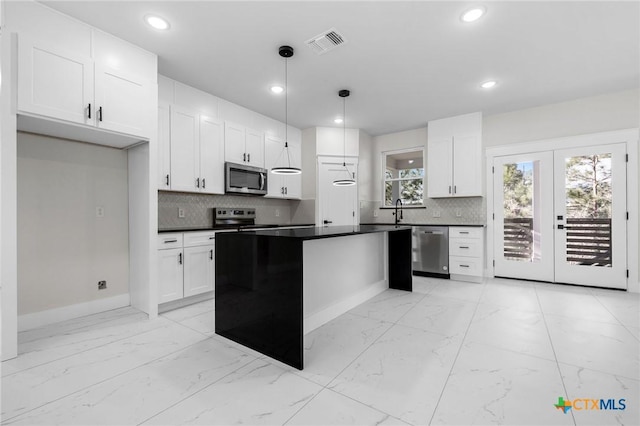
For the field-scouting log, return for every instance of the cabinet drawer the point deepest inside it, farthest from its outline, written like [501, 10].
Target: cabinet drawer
[198, 238]
[169, 241]
[465, 232]
[465, 266]
[465, 247]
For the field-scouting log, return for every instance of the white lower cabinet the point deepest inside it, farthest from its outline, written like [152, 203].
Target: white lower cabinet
[186, 265]
[466, 253]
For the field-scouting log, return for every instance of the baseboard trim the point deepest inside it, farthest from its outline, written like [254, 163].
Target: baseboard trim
[181, 303]
[51, 316]
[325, 315]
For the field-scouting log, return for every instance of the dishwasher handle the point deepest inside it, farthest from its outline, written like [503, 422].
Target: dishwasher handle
[433, 232]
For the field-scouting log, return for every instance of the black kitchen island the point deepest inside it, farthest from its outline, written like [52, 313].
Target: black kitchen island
[274, 286]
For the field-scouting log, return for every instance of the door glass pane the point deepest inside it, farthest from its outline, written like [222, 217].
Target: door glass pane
[588, 210]
[521, 227]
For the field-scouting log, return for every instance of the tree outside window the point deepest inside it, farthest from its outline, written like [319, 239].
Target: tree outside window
[404, 178]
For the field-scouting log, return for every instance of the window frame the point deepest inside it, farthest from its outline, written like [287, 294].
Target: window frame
[384, 180]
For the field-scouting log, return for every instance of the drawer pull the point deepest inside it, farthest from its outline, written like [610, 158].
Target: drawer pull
[170, 241]
[463, 232]
[212, 238]
[464, 266]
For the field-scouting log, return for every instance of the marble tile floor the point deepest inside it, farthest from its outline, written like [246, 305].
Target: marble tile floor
[449, 353]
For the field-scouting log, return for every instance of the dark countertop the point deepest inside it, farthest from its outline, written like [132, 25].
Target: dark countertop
[230, 228]
[471, 225]
[327, 231]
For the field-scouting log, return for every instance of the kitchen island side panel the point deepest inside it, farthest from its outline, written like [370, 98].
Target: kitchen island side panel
[399, 258]
[258, 294]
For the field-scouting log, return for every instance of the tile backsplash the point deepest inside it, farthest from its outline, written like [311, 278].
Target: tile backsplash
[198, 209]
[464, 211]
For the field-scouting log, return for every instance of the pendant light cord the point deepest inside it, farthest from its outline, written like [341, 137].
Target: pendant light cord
[286, 110]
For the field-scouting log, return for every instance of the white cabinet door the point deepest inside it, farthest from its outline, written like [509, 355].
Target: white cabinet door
[123, 102]
[185, 154]
[439, 161]
[293, 183]
[170, 269]
[164, 148]
[467, 176]
[54, 83]
[198, 269]
[234, 151]
[272, 158]
[211, 155]
[254, 147]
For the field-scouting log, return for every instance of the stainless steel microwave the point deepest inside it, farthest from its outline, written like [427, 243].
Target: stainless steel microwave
[243, 179]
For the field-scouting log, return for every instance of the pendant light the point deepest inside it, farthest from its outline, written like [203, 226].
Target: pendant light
[349, 180]
[286, 52]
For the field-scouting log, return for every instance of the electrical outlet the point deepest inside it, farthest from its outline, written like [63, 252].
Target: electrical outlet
[277, 213]
[436, 213]
[99, 211]
[375, 213]
[458, 213]
[102, 285]
[180, 212]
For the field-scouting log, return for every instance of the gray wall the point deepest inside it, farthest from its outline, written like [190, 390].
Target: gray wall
[64, 249]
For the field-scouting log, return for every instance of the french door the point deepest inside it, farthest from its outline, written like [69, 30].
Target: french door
[560, 216]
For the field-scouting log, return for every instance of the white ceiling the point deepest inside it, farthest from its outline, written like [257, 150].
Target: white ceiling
[404, 62]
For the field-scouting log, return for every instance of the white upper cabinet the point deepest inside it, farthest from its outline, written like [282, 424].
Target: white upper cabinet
[211, 155]
[454, 156]
[185, 147]
[54, 82]
[196, 153]
[164, 147]
[282, 186]
[243, 145]
[111, 87]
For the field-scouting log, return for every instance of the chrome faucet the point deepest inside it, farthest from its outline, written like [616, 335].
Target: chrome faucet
[396, 212]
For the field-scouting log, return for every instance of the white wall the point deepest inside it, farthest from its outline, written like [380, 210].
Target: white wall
[612, 111]
[392, 141]
[64, 249]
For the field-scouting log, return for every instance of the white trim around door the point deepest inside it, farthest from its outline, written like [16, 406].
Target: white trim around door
[628, 137]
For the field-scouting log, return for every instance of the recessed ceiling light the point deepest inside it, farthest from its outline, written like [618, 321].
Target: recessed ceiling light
[488, 84]
[472, 15]
[338, 120]
[157, 22]
[277, 89]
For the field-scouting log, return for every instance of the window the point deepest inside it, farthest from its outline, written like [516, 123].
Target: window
[403, 177]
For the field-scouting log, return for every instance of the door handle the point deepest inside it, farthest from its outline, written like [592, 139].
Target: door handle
[89, 111]
[100, 114]
[249, 157]
[244, 156]
[211, 254]
[198, 183]
[179, 258]
[167, 180]
[203, 187]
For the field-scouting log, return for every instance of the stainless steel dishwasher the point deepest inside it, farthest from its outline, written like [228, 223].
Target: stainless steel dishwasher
[430, 251]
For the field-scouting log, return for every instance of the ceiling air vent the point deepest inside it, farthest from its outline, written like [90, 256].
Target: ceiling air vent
[328, 40]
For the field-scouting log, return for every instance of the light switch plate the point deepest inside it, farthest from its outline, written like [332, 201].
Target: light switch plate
[436, 213]
[99, 211]
[458, 213]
